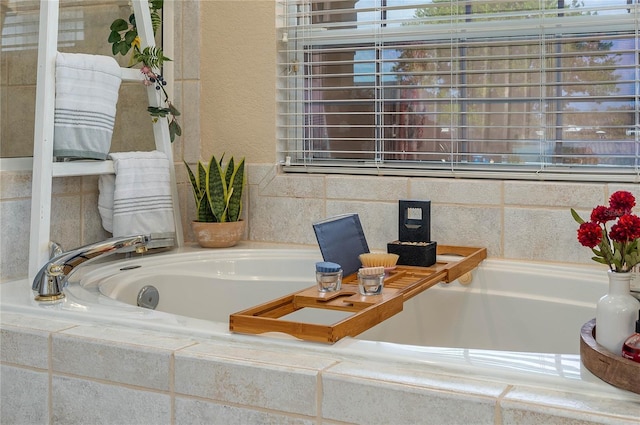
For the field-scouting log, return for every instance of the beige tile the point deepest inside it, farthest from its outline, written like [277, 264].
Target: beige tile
[92, 230]
[66, 186]
[197, 412]
[14, 228]
[77, 401]
[371, 394]
[19, 127]
[15, 185]
[133, 129]
[66, 221]
[20, 67]
[19, 320]
[4, 62]
[468, 226]
[263, 355]
[293, 186]
[279, 219]
[178, 36]
[189, 120]
[416, 375]
[453, 191]
[379, 220]
[261, 174]
[90, 184]
[23, 396]
[542, 235]
[130, 336]
[371, 188]
[562, 195]
[126, 357]
[190, 44]
[525, 406]
[268, 384]
[25, 347]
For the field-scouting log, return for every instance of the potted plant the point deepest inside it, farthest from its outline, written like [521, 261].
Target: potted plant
[217, 190]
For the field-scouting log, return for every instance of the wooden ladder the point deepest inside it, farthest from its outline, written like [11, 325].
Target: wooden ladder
[44, 166]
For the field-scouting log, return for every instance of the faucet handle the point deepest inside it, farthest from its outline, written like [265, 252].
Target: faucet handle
[55, 249]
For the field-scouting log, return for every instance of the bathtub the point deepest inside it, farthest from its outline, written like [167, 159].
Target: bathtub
[507, 306]
[515, 322]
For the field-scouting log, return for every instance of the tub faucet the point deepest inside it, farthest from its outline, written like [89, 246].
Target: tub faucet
[53, 276]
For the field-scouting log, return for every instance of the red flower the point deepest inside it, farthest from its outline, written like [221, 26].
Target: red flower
[589, 234]
[619, 248]
[602, 214]
[622, 202]
[626, 229]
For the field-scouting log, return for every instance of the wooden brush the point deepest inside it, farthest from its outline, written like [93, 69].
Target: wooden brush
[371, 271]
[379, 259]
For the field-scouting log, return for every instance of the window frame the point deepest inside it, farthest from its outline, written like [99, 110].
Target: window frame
[291, 127]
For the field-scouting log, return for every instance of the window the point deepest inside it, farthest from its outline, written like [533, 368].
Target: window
[531, 88]
[83, 27]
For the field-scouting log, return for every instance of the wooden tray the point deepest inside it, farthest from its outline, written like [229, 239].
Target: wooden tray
[616, 370]
[402, 284]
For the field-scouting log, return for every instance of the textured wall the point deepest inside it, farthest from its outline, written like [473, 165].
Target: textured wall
[238, 86]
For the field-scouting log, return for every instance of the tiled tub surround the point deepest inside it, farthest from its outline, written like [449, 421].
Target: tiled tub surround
[88, 363]
[66, 372]
[514, 219]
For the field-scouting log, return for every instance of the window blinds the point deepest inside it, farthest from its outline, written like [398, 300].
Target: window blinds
[440, 87]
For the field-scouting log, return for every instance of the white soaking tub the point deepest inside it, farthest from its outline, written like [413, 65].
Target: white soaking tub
[508, 306]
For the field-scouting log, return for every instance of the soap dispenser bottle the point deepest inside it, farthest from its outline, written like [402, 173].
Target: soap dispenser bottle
[631, 346]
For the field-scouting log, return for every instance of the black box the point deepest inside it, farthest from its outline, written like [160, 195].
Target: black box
[414, 246]
[414, 253]
[414, 221]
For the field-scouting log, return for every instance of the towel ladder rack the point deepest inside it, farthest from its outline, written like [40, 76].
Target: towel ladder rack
[44, 167]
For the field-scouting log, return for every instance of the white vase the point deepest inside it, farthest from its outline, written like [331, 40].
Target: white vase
[616, 313]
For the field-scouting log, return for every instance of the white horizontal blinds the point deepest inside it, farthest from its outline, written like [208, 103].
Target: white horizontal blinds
[20, 22]
[540, 84]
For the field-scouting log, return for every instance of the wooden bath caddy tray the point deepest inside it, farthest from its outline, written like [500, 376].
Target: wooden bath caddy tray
[402, 284]
[613, 369]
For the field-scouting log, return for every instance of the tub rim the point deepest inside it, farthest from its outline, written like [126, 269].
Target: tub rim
[481, 364]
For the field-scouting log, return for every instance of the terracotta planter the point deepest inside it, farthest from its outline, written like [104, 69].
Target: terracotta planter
[218, 235]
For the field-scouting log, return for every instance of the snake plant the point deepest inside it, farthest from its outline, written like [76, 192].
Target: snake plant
[217, 189]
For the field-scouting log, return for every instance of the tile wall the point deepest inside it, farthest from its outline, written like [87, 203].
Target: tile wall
[513, 219]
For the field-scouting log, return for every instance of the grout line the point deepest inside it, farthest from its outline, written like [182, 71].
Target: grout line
[320, 391]
[172, 388]
[497, 417]
[319, 396]
[50, 377]
[502, 208]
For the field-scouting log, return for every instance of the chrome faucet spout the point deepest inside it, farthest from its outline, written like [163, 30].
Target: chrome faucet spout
[50, 281]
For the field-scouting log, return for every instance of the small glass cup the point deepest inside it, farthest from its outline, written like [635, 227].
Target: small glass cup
[370, 284]
[328, 277]
[329, 282]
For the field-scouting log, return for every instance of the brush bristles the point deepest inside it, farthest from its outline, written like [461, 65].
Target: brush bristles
[371, 271]
[375, 259]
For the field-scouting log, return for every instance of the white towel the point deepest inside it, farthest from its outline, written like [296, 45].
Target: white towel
[85, 106]
[106, 187]
[141, 194]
